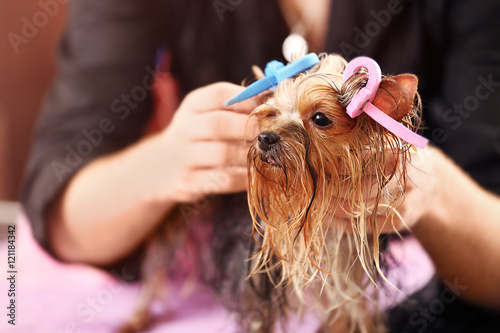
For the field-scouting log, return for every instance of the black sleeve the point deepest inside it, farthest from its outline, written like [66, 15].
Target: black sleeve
[100, 99]
[466, 116]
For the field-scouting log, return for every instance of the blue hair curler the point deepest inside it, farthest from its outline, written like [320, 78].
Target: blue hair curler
[275, 73]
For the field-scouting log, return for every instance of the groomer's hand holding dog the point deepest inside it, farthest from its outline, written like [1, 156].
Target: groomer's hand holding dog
[456, 221]
[419, 191]
[412, 205]
[202, 151]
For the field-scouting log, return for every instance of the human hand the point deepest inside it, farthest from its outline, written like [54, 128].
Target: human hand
[420, 190]
[204, 148]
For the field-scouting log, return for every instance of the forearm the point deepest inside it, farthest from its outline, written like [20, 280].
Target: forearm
[460, 233]
[112, 204]
[108, 208]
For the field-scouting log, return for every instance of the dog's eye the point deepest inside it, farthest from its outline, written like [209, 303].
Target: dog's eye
[321, 120]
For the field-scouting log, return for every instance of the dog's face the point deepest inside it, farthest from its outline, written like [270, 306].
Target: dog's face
[304, 133]
[303, 127]
[311, 160]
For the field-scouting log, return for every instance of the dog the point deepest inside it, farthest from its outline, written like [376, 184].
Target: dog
[308, 235]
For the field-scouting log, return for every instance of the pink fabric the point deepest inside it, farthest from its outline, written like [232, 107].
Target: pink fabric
[410, 271]
[52, 297]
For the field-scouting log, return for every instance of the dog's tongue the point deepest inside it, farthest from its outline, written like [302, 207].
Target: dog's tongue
[271, 161]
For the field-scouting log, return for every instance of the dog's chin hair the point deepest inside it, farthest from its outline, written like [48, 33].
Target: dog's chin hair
[293, 202]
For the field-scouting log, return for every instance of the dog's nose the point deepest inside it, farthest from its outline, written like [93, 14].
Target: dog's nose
[267, 140]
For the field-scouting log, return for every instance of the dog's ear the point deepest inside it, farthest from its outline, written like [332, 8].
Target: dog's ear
[396, 95]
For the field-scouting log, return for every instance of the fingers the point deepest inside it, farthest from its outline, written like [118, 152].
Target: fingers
[382, 162]
[389, 220]
[212, 97]
[387, 206]
[206, 155]
[209, 182]
[223, 126]
[210, 142]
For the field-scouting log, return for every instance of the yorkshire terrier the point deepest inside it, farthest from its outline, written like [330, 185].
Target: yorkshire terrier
[320, 186]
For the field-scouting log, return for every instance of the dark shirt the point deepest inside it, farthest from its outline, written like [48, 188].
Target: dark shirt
[100, 100]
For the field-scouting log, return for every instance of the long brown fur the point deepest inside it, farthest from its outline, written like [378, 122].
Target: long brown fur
[313, 173]
[311, 238]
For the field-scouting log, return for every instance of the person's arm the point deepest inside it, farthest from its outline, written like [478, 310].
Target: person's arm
[461, 218]
[98, 103]
[113, 203]
[93, 188]
[458, 223]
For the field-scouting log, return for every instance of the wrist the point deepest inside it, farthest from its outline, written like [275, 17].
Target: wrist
[435, 207]
[159, 176]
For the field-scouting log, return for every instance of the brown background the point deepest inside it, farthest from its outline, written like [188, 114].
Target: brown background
[24, 78]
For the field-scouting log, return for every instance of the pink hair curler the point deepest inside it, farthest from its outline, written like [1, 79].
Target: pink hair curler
[362, 102]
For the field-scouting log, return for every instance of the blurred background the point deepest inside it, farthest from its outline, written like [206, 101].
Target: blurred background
[30, 31]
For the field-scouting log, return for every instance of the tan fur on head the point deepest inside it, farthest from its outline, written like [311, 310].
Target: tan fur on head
[313, 173]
